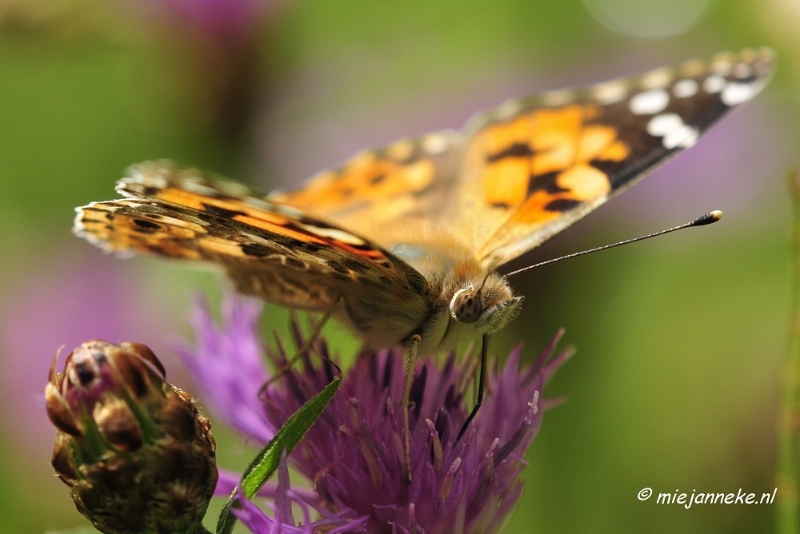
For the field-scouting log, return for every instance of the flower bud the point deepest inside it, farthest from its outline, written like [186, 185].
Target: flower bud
[135, 451]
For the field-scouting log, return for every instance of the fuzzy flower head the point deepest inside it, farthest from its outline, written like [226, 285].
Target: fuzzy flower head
[355, 455]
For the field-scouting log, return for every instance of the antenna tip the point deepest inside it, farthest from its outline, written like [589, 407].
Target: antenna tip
[708, 218]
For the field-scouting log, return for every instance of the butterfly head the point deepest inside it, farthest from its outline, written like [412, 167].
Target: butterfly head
[489, 307]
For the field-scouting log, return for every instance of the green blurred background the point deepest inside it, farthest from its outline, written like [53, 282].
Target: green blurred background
[675, 384]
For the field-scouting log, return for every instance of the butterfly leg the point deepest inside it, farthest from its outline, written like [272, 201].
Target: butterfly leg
[307, 345]
[409, 377]
[481, 385]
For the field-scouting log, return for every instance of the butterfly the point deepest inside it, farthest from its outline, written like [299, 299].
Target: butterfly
[409, 238]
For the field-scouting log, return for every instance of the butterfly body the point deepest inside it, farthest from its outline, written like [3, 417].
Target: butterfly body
[407, 240]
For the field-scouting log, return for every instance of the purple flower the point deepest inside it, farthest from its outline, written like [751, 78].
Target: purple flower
[283, 522]
[228, 366]
[355, 455]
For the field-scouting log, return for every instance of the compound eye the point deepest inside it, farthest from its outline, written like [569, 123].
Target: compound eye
[466, 306]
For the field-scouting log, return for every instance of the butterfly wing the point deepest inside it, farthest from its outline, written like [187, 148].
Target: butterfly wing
[407, 181]
[268, 249]
[527, 170]
[533, 167]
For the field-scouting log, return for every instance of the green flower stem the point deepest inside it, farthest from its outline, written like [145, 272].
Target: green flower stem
[789, 429]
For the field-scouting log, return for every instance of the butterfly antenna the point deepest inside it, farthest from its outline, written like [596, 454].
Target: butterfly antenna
[485, 278]
[708, 218]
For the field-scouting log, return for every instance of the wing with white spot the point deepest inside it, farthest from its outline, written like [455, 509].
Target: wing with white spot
[533, 167]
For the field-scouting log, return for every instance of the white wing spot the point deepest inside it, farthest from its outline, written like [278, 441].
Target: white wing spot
[687, 138]
[333, 233]
[735, 93]
[149, 179]
[435, 143]
[674, 133]
[649, 102]
[662, 124]
[611, 92]
[685, 88]
[77, 223]
[713, 84]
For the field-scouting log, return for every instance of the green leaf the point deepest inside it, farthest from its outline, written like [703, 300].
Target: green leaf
[266, 462]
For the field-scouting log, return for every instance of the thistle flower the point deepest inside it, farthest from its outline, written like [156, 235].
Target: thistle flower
[135, 451]
[355, 455]
[228, 366]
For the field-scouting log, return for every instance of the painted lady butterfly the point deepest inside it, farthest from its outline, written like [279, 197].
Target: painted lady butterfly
[411, 236]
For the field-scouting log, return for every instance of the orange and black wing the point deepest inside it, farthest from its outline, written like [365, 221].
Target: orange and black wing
[268, 249]
[533, 167]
